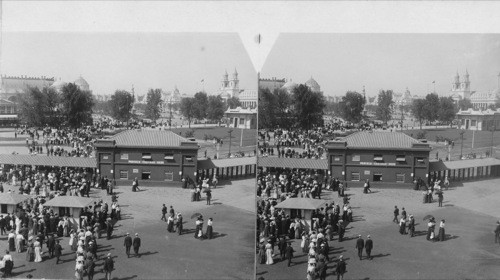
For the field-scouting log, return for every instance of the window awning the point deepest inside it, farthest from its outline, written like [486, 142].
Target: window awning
[378, 158]
[169, 157]
[8, 117]
[400, 159]
[146, 157]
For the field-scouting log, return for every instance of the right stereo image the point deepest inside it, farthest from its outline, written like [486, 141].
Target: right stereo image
[377, 157]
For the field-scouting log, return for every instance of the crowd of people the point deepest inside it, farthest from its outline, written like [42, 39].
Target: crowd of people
[276, 228]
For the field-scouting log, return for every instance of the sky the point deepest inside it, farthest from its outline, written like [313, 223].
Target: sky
[343, 62]
[111, 61]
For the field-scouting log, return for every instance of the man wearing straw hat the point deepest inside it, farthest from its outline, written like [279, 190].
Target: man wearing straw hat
[137, 245]
[108, 266]
[360, 245]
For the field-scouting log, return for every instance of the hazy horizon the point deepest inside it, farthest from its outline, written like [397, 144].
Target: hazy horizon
[343, 62]
[116, 61]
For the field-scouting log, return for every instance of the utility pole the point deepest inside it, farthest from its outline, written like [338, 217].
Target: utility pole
[492, 133]
[462, 144]
[230, 131]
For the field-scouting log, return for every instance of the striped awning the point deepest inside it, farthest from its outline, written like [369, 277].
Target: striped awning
[227, 162]
[43, 160]
[458, 164]
[294, 163]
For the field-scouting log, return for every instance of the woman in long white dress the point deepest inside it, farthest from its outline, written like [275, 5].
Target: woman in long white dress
[38, 250]
[269, 254]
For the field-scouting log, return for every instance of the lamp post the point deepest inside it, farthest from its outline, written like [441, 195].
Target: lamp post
[462, 140]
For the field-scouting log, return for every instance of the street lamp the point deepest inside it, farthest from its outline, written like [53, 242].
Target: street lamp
[230, 131]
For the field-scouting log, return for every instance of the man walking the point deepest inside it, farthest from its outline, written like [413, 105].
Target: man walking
[396, 214]
[137, 245]
[179, 223]
[51, 243]
[360, 245]
[127, 243]
[209, 196]
[497, 233]
[163, 213]
[369, 247]
[289, 253]
[411, 226]
[440, 198]
[90, 267]
[108, 266]
[341, 268]
[57, 251]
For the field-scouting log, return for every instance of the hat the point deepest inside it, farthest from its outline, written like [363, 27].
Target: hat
[359, 235]
[341, 257]
[109, 254]
[368, 236]
[136, 234]
[128, 233]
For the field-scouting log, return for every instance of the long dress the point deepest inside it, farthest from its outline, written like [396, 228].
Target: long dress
[19, 243]
[430, 231]
[170, 222]
[402, 226]
[262, 253]
[12, 242]
[269, 254]
[30, 253]
[441, 234]
[38, 251]
[298, 230]
[210, 231]
[303, 243]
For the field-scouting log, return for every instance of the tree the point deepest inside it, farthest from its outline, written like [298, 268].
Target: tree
[33, 106]
[282, 112]
[233, 102]
[308, 107]
[121, 104]
[215, 110]
[187, 109]
[200, 105]
[464, 104]
[446, 112]
[352, 106]
[267, 103]
[418, 110]
[384, 108]
[153, 103]
[76, 105]
[431, 109]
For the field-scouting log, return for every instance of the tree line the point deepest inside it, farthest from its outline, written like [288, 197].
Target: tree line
[301, 108]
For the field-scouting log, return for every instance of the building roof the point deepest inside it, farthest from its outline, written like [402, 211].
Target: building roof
[239, 110]
[294, 163]
[12, 198]
[81, 82]
[149, 138]
[301, 203]
[458, 164]
[43, 160]
[228, 162]
[311, 83]
[70, 201]
[471, 112]
[378, 139]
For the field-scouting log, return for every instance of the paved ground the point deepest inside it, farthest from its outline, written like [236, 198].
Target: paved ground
[471, 211]
[167, 255]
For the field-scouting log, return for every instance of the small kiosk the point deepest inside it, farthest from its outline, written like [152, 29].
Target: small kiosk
[70, 206]
[298, 207]
[9, 202]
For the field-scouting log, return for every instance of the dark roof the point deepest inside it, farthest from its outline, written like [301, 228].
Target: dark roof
[12, 198]
[70, 201]
[378, 139]
[228, 162]
[299, 163]
[458, 164]
[301, 203]
[149, 138]
[43, 160]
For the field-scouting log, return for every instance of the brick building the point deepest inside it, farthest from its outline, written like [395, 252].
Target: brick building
[381, 157]
[149, 155]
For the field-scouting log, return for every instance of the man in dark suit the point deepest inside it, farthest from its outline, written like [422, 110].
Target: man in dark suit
[321, 269]
[369, 247]
[360, 245]
[497, 233]
[137, 244]
[3, 225]
[179, 223]
[108, 266]
[57, 251]
[127, 243]
[282, 247]
[90, 267]
[289, 253]
[396, 214]
[51, 244]
[341, 268]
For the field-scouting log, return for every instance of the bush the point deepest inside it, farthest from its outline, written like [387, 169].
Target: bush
[189, 133]
[421, 134]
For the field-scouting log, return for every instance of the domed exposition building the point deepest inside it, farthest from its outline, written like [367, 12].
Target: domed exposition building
[231, 88]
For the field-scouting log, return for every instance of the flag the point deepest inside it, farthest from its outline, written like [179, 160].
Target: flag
[202, 80]
[433, 82]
